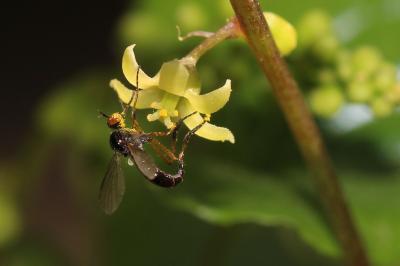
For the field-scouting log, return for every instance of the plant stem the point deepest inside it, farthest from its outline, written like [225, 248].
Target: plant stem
[307, 135]
[229, 30]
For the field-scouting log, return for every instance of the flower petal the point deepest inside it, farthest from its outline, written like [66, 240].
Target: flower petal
[210, 102]
[145, 98]
[130, 68]
[207, 131]
[174, 77]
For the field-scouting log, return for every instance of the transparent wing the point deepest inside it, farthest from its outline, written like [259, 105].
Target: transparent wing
[163, 152]
[112, 187]
[143, 162]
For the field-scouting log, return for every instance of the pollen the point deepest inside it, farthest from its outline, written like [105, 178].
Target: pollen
[163, 113]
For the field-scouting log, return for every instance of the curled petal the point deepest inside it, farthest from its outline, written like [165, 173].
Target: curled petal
[145, 99]
[210, 102]
[130, 68]
[207, 131]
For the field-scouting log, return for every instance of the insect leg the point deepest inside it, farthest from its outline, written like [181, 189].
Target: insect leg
[173, 131]
[134, 99]
[187, 138]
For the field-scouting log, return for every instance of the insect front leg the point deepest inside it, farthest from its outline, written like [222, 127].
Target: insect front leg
[173, 132]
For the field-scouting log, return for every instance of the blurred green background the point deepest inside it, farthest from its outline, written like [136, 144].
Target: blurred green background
[247, 203]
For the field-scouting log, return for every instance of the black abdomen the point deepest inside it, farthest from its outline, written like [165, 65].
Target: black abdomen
[164, 179]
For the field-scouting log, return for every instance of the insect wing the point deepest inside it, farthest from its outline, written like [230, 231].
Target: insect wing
[144, 162]
[112, 186]
[158, 147]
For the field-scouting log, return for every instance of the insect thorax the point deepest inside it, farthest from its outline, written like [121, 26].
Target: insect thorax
[119, 140]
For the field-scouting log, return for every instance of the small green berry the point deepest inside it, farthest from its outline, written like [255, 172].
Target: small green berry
[359, 92]
[313, 26]
[393, 95]
[385, 78]
[381, 107]
[366, 59]
[326, 101]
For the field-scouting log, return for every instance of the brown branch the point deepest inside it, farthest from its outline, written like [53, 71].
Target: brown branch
[306, 133]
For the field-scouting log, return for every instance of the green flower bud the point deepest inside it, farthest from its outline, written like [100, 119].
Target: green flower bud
[381, 107]
[360, 92]
[284, 33]
[326, 101]
[313, 26]
[393, 94]
[385, 77]
[366, 59]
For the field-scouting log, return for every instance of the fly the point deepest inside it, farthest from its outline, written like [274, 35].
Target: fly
[129, 143]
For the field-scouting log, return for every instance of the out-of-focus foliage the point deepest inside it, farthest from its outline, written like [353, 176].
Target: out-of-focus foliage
[338, 75]
[248, 202]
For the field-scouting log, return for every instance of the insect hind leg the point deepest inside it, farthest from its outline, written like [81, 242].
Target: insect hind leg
[187, 139]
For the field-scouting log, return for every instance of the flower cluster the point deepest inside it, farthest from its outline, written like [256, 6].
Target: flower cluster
[173, 93]
[339, 75]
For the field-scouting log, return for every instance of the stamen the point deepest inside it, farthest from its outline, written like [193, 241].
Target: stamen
[163, 113]
[153, 117]
[155, 105]
[168, 123]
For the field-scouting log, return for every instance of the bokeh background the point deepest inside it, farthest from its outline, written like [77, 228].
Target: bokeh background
[247, 203]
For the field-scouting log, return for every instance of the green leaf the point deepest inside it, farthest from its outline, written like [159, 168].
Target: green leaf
[227, 195]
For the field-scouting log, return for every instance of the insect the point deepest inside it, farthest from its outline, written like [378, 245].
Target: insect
[129, 142]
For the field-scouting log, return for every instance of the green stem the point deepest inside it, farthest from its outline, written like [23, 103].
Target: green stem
[302, 124]
[229, 30]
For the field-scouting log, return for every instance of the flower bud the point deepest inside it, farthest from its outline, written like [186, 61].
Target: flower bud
[381, 107]
[313, 26]
[283, 32]
[326, 101]
[359, 91]
[366, 59]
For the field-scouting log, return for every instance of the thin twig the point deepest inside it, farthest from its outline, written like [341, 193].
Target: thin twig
[259, 37]
[229, 30]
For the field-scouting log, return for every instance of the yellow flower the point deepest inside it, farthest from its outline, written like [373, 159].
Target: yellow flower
[174, 92]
